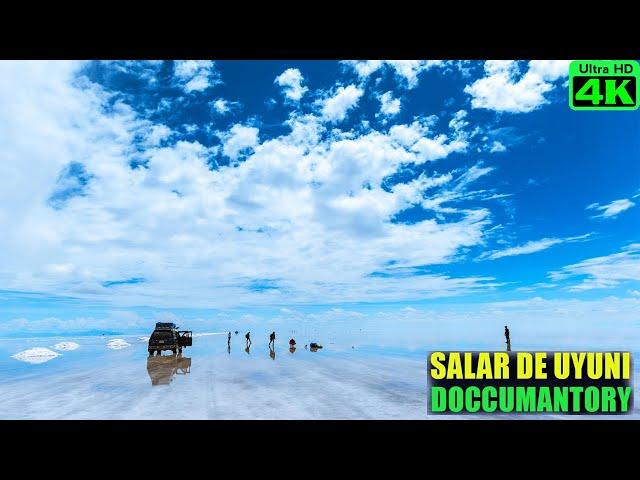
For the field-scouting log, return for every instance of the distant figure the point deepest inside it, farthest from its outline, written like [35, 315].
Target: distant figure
[506, 334]
[248, 337]
[229, 338]
[292, 342]
[236, 332]
[272, 340]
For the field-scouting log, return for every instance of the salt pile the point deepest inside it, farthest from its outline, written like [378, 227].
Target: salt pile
[66, 346]
[117, 344]
[36, 355]
[143, 339]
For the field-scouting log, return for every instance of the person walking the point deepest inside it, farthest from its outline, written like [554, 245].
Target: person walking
[506, 334]
[272, 340]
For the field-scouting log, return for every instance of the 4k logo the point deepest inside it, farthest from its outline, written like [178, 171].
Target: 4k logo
[604, 84]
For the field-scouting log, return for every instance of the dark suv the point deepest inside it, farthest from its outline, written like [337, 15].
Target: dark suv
[166, 336]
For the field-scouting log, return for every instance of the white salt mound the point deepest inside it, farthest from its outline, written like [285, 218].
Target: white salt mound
[36, 355]
[117, 344]
[143, 339]
[66, 346]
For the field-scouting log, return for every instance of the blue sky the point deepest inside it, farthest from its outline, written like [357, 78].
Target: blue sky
[268, 190]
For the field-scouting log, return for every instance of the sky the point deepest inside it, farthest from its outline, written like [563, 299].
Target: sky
[135, 191]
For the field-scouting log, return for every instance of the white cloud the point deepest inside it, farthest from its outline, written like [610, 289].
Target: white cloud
[406, 70]
[303, 217]
[389, 106]
[458, 123]
[239, 139]
[335, 107]
[497, 147]
[221, 106]
[157, 135]
[196, 75]
[532, 246]
[291, 82]
[416, 137]
[611, 210]
[603, 272]
[503, 89]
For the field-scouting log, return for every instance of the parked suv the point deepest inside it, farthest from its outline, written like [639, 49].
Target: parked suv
[166, 336]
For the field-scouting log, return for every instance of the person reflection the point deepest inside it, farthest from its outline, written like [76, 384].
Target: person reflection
[508, 345]
[292, 348]
[247, 350]
[229, 348]
[162, 369]
[272, 353]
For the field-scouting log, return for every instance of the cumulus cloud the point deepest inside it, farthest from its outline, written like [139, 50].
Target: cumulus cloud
[222, 106]
[532, 246]
[389, 106]
[611, 210]
[239, 139]
[505, 89]
[335, 107]
[308, 214]
[405, 70]
[497, 147]
[603, 272]
[417, 137]
[196, 75]
[291, 82]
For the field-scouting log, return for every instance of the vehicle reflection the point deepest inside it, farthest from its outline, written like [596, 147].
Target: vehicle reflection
[162, 369]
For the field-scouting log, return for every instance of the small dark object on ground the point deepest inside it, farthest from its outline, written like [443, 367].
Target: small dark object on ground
[292, 342]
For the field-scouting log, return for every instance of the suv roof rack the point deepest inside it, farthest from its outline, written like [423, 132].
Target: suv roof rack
[166, 326]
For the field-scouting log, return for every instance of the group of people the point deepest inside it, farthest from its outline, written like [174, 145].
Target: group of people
[272, 343]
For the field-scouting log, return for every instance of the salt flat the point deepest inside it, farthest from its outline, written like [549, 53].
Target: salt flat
[381, 377]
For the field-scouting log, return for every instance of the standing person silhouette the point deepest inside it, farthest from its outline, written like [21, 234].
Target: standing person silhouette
[248, 337]
[229, 338]
[272, 340]
[506, 334]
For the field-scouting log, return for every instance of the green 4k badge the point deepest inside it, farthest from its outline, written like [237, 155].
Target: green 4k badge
[604, 84]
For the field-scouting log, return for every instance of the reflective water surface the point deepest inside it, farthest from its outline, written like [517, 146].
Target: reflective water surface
[358, 374]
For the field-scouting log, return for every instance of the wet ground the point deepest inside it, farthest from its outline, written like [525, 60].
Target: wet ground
[381, 377]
